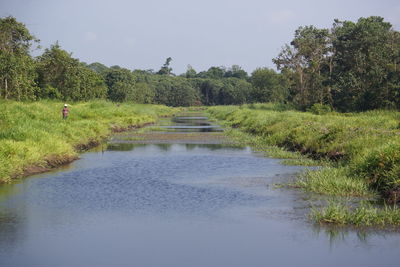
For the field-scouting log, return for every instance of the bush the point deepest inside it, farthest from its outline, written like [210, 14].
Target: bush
[382, 168]
[320, 109]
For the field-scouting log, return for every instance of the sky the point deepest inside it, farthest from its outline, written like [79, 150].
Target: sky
[141, 34]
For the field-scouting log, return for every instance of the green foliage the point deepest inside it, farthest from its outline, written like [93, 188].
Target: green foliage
[236, 72]
[175, 91]
[209, 89]
[165, 69]
[212, 73]
[120, 83]
[70, 79]
[363, 215]
[268, 86]
[143, 93]
[190, 72]
[352, 66]
[333, 181]
[382, 167]
[48, 92]
[364, 51]
[17, 68]
[273, 106]
[234, 91]
[319, 109]
[98, 67]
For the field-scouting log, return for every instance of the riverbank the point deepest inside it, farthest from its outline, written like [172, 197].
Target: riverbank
[34, 138]
[361, 151]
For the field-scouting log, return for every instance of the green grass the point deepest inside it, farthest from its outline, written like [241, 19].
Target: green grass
[259, 144]
[333, 181]
[363, 215]
[34, 134]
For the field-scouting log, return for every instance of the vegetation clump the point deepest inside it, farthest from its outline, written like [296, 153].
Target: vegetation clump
[363, 215]
[333, 181]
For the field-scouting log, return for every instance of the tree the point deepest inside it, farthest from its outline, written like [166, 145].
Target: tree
[352, 67]
[60, 75]
[210, 89]
[98, 67]
[121, 84]
[234, 92]
[303, 62]
[143, 93]
[364, 64]
[268, 86]
[165, 69]
[17, 68]
[175, 91]
[237, 72]
[212, 73]
[190, 72]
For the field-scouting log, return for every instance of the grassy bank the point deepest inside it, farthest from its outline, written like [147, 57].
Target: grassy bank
[34, 137]
[362, 150]
[363, 215]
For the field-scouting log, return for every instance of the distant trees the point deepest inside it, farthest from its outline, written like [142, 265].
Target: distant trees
[236, 71]
[120, 83]
[61, 76]
[353, 66]
[190, 72]
[268, 86]
[98, 67]
[366, 55]
[17, 68]
[165, 69]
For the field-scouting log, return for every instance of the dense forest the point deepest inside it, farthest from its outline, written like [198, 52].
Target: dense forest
[353, 66]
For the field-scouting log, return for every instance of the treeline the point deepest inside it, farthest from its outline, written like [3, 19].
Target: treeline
[217, 86]
[351, 67]
[57, 75]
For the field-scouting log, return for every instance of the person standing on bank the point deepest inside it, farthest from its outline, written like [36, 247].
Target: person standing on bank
[65, 112]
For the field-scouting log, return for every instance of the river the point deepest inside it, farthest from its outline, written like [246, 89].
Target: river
[178, 195]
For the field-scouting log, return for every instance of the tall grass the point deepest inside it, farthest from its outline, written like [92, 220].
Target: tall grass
[34, 134]
[259, 144]
[363, 215]
[333, 181]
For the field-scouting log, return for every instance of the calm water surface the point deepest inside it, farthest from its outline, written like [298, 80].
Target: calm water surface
[175, 205]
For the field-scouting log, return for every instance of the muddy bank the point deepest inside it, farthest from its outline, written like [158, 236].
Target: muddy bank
[50, 163]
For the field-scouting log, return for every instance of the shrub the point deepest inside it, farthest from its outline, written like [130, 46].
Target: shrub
[320, 109]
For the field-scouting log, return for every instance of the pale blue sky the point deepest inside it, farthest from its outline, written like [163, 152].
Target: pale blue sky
[142, 34]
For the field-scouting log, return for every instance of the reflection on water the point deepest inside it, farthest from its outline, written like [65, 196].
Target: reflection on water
[167, 147]
[194, 128]
[188, 123]
[175, 205]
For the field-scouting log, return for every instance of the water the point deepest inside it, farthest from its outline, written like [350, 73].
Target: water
[175, 204]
